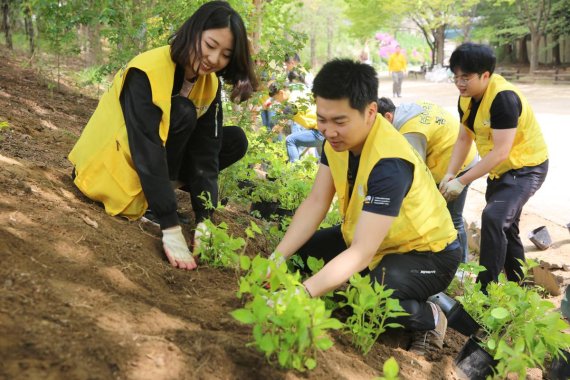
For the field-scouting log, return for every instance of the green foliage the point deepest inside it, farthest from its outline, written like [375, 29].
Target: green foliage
[288, 325]
[372, 306]
[217, 248]
[3, 125]
[390, 369]
[521, 329]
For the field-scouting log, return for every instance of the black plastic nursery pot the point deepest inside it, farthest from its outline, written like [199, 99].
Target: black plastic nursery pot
[457, 318]
[560, 368]
[540, 237]
[473, 362]
[265, 209]
[247, 185]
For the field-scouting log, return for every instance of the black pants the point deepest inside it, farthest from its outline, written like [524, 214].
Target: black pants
[501, 245]
[195, 156]
[414, 276]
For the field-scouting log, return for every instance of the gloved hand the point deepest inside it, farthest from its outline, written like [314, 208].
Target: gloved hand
[176, 249]
[446, 178]
[278, 259]
[202, 233]
[452, 189]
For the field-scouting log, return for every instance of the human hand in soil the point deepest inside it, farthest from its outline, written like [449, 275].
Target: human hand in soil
[176, 249]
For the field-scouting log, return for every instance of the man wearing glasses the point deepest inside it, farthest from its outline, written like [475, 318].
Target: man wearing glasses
[497, 116]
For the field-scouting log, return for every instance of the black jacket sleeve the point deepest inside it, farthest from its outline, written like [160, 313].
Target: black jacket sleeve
[142, 118]
[202, 166]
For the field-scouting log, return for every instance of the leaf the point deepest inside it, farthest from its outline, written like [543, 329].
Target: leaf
[499, 313]
[243, 315]
[324, 343]
[266, 344]
[492, 344]
[391, 368]
[310, 363]
[244, 262]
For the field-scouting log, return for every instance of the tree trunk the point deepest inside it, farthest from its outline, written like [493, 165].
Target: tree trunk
[313, 47]
[440, 44]
[29, 26]
[330, 34]
[556, 50]
[94, 49]
[256, 34]
[534, 45]
[6, 23]
[522, 51]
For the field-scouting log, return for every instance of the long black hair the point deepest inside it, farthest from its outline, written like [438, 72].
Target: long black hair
[217, 15]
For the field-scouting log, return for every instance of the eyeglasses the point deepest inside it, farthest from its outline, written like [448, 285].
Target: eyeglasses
[462, 81]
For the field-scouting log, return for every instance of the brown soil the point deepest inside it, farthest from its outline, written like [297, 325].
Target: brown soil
[87, 296]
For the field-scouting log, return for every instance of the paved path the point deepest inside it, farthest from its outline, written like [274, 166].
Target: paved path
[551, 204]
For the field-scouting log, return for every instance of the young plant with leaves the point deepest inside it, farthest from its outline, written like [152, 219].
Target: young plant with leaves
[372, 307]
[520, 328]
[390, 370]
[220, 250]
[288, 325]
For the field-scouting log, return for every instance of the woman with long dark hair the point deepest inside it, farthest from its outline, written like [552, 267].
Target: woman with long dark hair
[159, 127]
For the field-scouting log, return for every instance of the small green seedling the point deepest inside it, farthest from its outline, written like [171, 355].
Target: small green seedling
[390, 370]
[372, 306]
[288, 325]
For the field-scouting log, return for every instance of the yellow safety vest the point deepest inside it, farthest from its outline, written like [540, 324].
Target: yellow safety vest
[529, 147]
[307, 114]
[102, 158]
[397, 62]
[423, 224]
[440, 128]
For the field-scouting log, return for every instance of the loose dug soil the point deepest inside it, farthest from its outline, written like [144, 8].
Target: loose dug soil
[87, 296]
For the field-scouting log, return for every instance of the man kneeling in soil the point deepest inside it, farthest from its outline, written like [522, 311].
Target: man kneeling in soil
[396, 226]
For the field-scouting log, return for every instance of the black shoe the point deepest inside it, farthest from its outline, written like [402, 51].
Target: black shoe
[149, 217]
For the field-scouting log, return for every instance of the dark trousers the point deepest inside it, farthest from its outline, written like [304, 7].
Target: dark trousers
[196, 155]
[414, 276]
[501, 245]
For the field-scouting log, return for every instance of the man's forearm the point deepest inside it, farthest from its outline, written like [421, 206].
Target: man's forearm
[337, 272]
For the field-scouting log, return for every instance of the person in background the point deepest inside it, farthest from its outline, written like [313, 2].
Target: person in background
[514, 155]
[395, 225]
[293, 63]
[298, 109]
[397, 67]
[432, 131]
[160, 126]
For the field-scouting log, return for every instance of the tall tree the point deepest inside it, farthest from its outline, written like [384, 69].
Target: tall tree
[6, 23]
[559, 26]
[536, 14]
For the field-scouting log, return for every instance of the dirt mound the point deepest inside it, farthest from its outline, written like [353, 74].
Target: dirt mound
[87, 296]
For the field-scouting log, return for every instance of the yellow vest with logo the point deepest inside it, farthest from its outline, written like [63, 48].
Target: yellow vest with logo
[423, 224]
[440, 129]
[529, 147]
[102, 158]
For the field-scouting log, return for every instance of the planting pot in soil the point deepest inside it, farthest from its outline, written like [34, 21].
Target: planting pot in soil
[265, 209]
[560, 368]
[473, 361]
[247, 185]
[457, 318]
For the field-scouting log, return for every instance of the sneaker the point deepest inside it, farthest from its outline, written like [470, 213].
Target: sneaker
[430, 340]
[149, 217]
